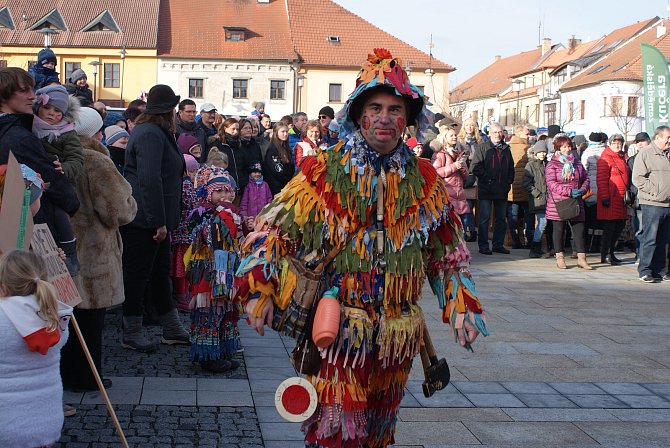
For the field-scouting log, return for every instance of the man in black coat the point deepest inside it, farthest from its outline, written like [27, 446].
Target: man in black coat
[493, 165]
[16, 122]
[186, 124]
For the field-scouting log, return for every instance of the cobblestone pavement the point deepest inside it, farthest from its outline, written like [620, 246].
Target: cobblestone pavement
[575, 359]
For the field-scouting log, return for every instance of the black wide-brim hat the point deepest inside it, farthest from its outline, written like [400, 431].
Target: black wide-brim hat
[161, 100]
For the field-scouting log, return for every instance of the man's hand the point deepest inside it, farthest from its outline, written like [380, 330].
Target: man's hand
[258, 323]
[467, 334]
[160, 234]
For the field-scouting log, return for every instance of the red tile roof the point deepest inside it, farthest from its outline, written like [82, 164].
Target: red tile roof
[512, 95]
[137, 20]
[624, 63]
[496, 77]
[195, 29]
[313, 22]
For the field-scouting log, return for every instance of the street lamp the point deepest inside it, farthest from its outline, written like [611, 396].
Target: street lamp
[517, 87]
[94, 70]
[48, 32]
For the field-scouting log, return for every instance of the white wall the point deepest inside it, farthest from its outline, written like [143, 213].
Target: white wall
[481, 106]
[595, 118]
[218, 78]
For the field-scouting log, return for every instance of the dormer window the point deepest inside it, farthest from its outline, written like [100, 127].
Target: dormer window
[235, 33]
[103, 22]
[6, 22]
[334, 40]
[53, 20]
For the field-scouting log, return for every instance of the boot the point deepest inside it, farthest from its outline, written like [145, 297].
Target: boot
[219, 365]
[134, 337]
[581, 261]
[535, 250]
[614, 261]
[560, 260]
[173, 330]
[71, 260]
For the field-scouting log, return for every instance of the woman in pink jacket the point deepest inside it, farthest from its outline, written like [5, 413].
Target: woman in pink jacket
[451, 166]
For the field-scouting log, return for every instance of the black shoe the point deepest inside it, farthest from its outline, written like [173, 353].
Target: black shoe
[218, 366]
[518, 245]
[106, 383]
[501, 250]
[485, 251]
[614, 260]
[649, 279]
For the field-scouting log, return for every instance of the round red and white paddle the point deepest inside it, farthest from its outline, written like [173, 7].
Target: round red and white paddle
[295, 399]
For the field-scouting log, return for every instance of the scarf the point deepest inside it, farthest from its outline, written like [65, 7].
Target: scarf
[258, 181]
[232, 140]
[568, 167]
[362, 155]
[42, 129]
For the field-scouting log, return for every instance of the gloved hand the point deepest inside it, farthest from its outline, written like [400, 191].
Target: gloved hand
[605, 202]
[576, 193]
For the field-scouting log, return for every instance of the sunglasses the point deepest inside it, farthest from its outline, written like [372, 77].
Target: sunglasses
[321, 117]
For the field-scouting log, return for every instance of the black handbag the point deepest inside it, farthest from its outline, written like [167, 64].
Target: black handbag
[628, 197]
[567, 208]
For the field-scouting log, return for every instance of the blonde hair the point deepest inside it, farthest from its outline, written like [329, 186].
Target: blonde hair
[24, 273]
[215, 156]
[442, 136]
[462, 133]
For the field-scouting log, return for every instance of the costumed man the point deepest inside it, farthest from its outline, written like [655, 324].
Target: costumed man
[381, 264]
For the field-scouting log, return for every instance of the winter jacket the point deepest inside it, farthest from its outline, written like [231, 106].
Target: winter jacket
[445, 166]
[519, 149]
[612, 177]
[494, 168]
[651, 176]
[196, 130]
[16, 136]
[589, 159]
[275, 172]
[118, 156]
[534, 182]
[294, 136]
[255, 197]
[240, 157]
[559, 189]
[69, 151]
[106, 204]
[189, 201]
[154, 168]
[84, 94]
[303, 149]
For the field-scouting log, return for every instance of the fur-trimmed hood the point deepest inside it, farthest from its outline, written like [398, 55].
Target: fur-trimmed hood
[72, 109]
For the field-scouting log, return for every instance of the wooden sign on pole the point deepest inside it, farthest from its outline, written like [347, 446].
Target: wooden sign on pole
[15, 222]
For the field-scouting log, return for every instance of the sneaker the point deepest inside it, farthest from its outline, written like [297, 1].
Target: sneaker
[666, 278]
[500, 250]
[69, 411]
[649, 279]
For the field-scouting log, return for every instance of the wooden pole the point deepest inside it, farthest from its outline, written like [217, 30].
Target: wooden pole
[98, 380]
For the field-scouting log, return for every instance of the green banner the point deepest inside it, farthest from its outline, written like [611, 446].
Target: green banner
[656, 78]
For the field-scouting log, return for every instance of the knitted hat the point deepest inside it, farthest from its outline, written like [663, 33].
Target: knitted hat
[539, 147]
[161, 100]
[113, 118]
[552, 130]
[595, 137]
[327, 111]
[46, 55]
[255, 167]
[55, 95]
[191, 163]
[89, 122]
[383, 72]
[579, 139]
[217, 181]
[77, 75]
[113, 133]
[186, 142]
[642, 137]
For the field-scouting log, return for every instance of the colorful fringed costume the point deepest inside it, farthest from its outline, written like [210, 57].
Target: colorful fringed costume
[211, 262]
[364, 372]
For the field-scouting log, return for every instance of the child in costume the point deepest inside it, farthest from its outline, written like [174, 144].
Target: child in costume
[55, 115]
[380, 263]
[211, 262]
[33, 328]
[256, 195]
[180, 238]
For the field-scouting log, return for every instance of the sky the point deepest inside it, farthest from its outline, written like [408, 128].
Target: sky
[469, 34]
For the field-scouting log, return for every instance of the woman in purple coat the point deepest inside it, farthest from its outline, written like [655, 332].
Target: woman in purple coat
[566, 178]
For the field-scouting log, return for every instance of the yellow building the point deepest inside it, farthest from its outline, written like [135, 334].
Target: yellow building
[113, 41]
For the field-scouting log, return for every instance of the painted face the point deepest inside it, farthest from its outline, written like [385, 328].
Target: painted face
[196, 151]
[233, 129]
[383, 120]
[187, 115]
[282, 134]
[21, 102]
[246, 131]
[50, 114]
[313, 134]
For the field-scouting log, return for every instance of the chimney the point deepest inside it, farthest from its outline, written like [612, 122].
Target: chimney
[496, 58]
[572, 44]
[546, 45]
[660, 31]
